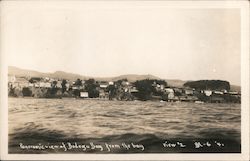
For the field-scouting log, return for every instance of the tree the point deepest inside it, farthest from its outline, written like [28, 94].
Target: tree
[11, 90]
[147, 87]
[26, 91]
[144, 88]
[161, 82]
[54, 83]
[208, 84]
[90, 86]
[53, 89]
[112, 91]
[78, 82]
[119, 82]
[34, 79]
[64, 82]
[90, 81]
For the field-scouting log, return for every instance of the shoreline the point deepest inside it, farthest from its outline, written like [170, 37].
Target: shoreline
[101, 99]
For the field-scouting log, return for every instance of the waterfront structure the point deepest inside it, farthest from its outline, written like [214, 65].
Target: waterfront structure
[84, 94]
[104, 84]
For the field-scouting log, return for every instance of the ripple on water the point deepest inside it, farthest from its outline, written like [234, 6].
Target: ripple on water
[97, 118]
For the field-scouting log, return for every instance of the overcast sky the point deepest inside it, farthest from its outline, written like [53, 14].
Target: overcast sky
[99, 39]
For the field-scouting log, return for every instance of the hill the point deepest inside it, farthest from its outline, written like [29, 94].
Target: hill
[235, 88]
[71, 76]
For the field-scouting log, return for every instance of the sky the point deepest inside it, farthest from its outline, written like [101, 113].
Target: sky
[111, 39]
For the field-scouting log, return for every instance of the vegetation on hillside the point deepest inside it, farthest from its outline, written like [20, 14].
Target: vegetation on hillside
[145, 88]
[208, 85]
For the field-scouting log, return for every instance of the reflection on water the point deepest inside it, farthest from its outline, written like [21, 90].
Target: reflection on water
[81, 119]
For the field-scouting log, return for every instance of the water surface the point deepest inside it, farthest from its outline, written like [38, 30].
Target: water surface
[47, 121]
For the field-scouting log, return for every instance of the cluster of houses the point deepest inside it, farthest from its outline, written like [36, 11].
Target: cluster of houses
[64, 88]
[113, 90]
[32, 82]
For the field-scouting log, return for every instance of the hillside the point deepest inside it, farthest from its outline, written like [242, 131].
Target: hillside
[134, 77]
[235, 88]
[71, 76]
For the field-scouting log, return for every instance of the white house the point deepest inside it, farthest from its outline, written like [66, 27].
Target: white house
[169, 90]
[208, 92]
[104, 85]
[170, 93]
[111, 83]
[218, 92]
[84, 94]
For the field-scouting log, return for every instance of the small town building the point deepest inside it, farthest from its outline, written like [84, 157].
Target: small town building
[133, 90]
[104, 84]
[171, 96]
[31, 85]
[77, 87]
[103, 94]
[84, 94]
[125, 83]
[162, 87]
[37, 85]
[169, 90]
[59, 84]
[207, 92]
[47, 85]
[47, 79]
[218, 92]
[111, 83]
[170, 93]
[189, 91]
[67, 86]
[233, 93]
[42, 84]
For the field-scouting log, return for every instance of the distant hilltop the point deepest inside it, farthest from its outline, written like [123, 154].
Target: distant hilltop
[72, 76]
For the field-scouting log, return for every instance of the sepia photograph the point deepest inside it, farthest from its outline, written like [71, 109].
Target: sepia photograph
[124, 77]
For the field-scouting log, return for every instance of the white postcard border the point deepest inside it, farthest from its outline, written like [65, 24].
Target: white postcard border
[244, 155]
